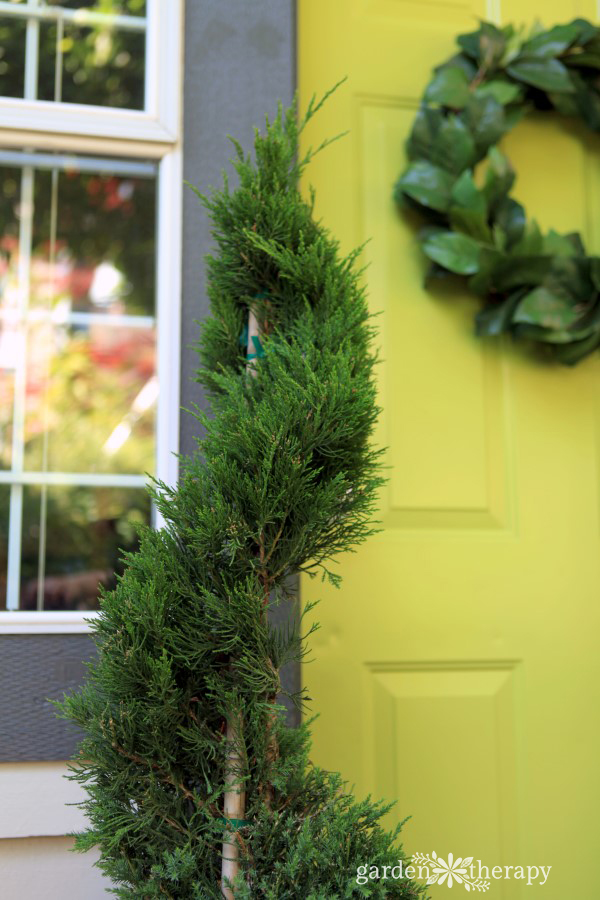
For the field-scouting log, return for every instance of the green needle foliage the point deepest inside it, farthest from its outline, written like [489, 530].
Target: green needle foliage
[283, 480]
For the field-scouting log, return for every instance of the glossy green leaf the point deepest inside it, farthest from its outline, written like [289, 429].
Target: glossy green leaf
[449, 87]
[495, 317]
[587, 31]
[425, 127]
[491, 262]
[566, 104]
[546, 309]
[562, 244]
[468, 212]
[427, 184]
[510, 217]
[552, 42]
[547, 74]
[594, 262]
[532, 242]
[499, 236]
[499, 179]
[461, 61]
[503, 272]
[471, 222]
[588, 102]
[458, 253]
[523, 271]
[453, 147]
[572, 353]
[503, 92]
[469, 44]
[492, 43]
[514, 42]
[583, 60]
[466, 193]
[486, 120]
[555, 336]
[570, 276]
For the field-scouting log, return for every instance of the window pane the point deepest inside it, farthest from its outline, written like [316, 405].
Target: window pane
[12, 57]
[125, 7]
[91, 399]
[4, 514]
[100, 66]
[105, 243]
[92, 53]
[78, 386]
[10, 199]
[84, 531]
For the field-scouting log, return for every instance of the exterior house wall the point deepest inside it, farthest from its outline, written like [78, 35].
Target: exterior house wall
[239, 61]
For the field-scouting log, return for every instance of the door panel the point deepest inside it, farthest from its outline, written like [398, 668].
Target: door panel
[457, 670]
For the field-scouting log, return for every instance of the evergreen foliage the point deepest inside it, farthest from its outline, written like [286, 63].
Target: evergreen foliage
[283, 480]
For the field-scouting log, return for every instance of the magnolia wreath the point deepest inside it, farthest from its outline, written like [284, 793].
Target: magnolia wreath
[540, 288]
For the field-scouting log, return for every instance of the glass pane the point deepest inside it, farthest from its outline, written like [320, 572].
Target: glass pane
[12, 56]
[91, 399]
[4, 513]
[100, 66]
[84, 530]
[7, 398]
[10, 200]
[98, 63]
[105, 243]
[123, 7]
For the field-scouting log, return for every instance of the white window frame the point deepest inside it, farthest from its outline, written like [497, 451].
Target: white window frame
[155, 133]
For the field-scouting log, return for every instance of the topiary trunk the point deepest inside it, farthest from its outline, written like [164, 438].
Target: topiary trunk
[180, 712]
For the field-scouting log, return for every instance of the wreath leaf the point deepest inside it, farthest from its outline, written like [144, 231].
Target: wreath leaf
[458, 253]
[450, 87]
[547, 74]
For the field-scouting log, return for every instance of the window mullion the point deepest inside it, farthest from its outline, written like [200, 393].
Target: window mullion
[32, 55]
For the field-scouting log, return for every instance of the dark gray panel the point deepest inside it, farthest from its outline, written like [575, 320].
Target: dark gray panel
[35, 669]
[240, 61]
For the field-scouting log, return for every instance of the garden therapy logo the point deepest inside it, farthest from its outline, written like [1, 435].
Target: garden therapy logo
[433, 869]
[455, 870]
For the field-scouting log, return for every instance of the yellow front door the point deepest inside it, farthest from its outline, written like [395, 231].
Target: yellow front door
[458, 670]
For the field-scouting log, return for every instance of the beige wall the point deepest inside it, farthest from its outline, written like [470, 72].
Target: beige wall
[44, 867]
[35, 857]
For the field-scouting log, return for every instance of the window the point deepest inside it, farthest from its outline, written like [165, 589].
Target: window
[90, 194]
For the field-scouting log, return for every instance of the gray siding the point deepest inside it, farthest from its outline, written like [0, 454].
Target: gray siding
[35, 669]
[240, 61]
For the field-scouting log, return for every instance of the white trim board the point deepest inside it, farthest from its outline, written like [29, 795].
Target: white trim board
[34, 797]
[17, 622]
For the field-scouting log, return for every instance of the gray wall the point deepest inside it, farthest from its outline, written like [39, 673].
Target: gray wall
[239, 61]
[35, 669]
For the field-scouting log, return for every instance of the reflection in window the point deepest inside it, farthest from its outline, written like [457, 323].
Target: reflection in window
[74, 52]
[78, 378]
[86, 532]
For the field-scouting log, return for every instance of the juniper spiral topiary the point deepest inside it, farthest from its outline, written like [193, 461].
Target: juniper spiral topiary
[180, 714]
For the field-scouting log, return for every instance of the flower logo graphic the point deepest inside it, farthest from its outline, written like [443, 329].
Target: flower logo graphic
[450, 872]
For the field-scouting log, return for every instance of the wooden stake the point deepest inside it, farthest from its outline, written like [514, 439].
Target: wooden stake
[234, 803]
[234, 806]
